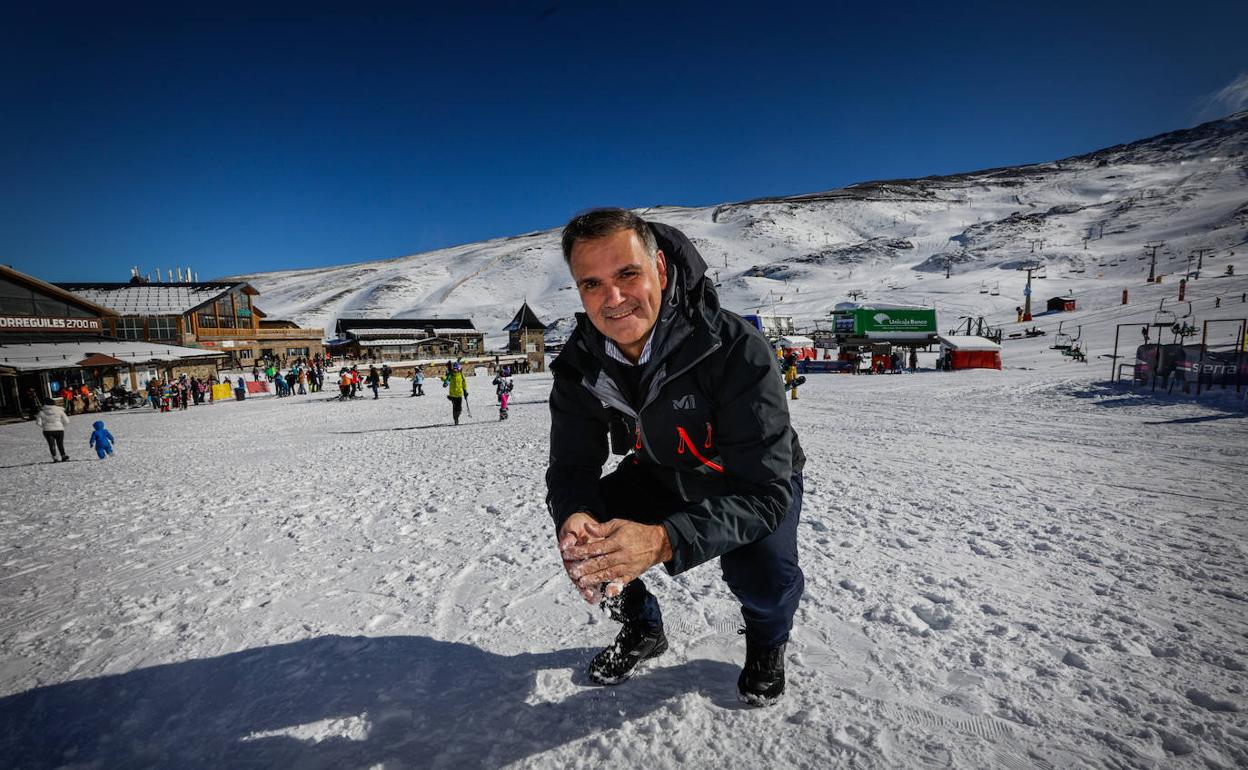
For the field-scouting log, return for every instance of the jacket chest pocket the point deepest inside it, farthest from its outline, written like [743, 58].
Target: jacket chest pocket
[695, 444]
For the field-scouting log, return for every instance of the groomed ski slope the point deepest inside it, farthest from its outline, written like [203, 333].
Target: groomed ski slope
[1005, 569]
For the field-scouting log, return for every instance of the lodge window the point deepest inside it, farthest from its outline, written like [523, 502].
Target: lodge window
[163, 329]
[243, 355]
[207, 320]
[297, 352]
[130, 328]
[225, 312]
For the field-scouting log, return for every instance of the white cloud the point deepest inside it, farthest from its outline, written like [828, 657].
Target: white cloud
[1231, 98]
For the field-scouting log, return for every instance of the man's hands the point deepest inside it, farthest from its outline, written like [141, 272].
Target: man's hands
[573, 533]
[614, 553]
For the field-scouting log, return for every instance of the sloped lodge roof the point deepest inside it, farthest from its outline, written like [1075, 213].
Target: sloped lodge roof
[152, 298]
[525, 319]
[345, 325]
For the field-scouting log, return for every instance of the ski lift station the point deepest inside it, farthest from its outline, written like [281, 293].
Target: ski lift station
[859, 325]
[773, 327]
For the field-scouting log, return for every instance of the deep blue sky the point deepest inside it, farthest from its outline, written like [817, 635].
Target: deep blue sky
[237, 140]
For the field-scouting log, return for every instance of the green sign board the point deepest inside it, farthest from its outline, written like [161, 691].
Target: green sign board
[883, 323]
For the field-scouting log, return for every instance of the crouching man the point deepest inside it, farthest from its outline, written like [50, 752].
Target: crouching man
[687, 392]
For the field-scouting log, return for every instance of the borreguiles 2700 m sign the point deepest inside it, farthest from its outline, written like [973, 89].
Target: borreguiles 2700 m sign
[50, 324]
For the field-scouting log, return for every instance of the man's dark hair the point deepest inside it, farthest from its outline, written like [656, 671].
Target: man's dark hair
[599, 223]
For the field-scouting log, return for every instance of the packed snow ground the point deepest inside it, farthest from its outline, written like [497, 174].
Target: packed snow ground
[1013, 569]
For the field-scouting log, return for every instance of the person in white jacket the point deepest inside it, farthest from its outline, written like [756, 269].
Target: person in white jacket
[53, 421]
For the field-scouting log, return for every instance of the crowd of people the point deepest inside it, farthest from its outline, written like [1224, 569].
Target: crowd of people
[179, 393]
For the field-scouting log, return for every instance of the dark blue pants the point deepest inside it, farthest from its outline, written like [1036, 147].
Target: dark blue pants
[764, 575]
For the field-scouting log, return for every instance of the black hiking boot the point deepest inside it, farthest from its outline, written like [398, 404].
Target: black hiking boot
[762, 680]
[632, 645]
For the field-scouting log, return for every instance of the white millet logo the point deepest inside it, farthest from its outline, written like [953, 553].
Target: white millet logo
[684, 402]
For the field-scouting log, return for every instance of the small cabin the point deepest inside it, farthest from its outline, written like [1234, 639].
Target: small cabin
[1061, 304]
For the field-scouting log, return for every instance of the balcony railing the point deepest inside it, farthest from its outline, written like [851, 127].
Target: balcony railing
[260, 334]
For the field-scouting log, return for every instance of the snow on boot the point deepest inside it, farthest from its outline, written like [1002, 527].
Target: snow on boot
[632, 645]
[762, 679]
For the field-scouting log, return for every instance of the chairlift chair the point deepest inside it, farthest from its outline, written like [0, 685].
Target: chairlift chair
[1061, 340]
[983, 288]
[996, 289]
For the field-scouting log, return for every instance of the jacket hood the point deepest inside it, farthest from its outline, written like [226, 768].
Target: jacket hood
[685, 266]
[97, 424]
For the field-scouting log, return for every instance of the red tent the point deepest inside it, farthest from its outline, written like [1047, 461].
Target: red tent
[963, 352]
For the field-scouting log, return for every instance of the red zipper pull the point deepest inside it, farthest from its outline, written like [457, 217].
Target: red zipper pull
[707, 444]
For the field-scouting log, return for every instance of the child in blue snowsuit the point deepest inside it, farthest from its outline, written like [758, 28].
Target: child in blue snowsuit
[101, 439]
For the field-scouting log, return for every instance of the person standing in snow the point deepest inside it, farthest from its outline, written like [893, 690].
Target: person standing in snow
[101, 440]
[456, 389]
[344, 385]
[373, 381]
[418, 382]
[30, 403]
[385, 376]
[656, 371]
[502, 388]
[53, 421]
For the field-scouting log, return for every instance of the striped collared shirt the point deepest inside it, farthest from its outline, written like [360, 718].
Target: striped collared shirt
[615, 353]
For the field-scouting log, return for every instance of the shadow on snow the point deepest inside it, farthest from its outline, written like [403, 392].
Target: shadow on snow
[1111, 395]
[426, 702]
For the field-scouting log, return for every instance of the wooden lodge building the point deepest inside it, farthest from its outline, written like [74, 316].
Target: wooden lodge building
[215, 315]
[406, 339]
[51, 338]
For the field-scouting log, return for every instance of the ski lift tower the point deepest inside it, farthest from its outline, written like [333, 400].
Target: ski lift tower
[1151, 248]
[1029, 269]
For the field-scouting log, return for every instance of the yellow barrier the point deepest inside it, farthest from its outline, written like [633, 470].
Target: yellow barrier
[222, 393]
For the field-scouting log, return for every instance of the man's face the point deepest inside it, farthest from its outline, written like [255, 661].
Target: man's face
[621, 288]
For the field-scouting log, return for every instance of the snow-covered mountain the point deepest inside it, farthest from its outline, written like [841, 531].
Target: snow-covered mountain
[1086, 218]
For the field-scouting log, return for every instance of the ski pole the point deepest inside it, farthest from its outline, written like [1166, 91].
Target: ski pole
[467, 407]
